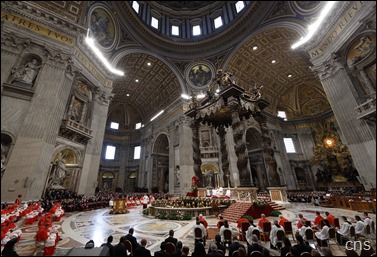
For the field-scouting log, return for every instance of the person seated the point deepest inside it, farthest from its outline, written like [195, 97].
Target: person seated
[240, 221]
[162, 251]
[287, 245]
[360, 225]
[226, 226]
[282, 220]
[301, 217]
[142, 250]
[367, 219]
[171, 238]
[235, 245]
[249, 232]
[301, 246]
[317, 221]
[199, 249]
[273, 234]
[344, 231]
[109, 245]
[330, 218]
[220, 223]
[178, 249]
[323, 235]
[219, 244]
[304, 227]
[203, 221]
[201, 226]
[132, 240]
[261, 221]
[120, 249]
[254, 245]
[213, 251]
[185, 251]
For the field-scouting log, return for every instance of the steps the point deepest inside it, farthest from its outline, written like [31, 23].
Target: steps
[275, 206]
[235, 211]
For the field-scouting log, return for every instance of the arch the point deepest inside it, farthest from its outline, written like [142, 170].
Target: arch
[160, 160]
[253, 139]
[121, 54]
[283, 24]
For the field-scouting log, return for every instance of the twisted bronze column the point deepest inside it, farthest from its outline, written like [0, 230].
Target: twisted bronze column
[224, 155]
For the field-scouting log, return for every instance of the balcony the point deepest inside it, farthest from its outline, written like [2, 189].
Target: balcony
[367, 111]
[75, 131]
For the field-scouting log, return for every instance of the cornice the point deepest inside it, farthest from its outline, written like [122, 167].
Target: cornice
[29, 10]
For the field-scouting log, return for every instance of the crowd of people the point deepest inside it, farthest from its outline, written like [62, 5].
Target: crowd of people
[306, 233]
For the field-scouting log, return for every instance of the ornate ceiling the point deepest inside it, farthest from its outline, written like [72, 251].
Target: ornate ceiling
[162, 83]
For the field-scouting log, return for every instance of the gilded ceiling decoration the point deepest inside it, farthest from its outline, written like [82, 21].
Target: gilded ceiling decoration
[300, 95]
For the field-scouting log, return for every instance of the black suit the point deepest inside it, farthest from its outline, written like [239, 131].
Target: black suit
[234, 247]
[133, 241]
[110, 246]
[303, 248]
[255, 247]
[161, 253]
[141, 251]
[171, 239]
[120, 250]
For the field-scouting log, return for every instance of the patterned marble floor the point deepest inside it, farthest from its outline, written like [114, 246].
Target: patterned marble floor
[78, 228]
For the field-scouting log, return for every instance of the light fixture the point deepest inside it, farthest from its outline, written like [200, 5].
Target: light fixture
[149, 64]
[273, 61]
[255, 48]
[289, 75]
[136, 80]
[128, 95]
[315, 26]
[329, 142]
[184, 96]
[200, 96]
[158, 114]
[90, 42]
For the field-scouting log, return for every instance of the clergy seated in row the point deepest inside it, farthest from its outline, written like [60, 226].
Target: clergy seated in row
[301, 218]
[317, 221]
[344, 231]
[304, 226]
[323, 234]
[224, 227]
[250, 232]
[360, 226]
[330, 218]
[282, 220]
[273, 235]
[261, 221]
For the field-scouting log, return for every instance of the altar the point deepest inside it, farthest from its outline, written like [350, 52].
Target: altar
[239, 193]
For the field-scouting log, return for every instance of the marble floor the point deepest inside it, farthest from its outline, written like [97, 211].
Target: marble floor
[78, 228]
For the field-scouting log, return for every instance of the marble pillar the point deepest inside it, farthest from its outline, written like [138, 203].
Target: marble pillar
[339, 89]
[88, 179]
[28, 166]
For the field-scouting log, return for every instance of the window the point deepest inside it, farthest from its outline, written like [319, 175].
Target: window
[114, 125]
[282, 114]
[138, 125]
[175, 30]
[110, 152]
[239, 6]
[135, 6]
[289, 146]
[137, 152]
[218, 22]
[196, 30]
[154, 23]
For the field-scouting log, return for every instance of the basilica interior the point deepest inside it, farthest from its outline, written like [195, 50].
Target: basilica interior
[256, 99]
